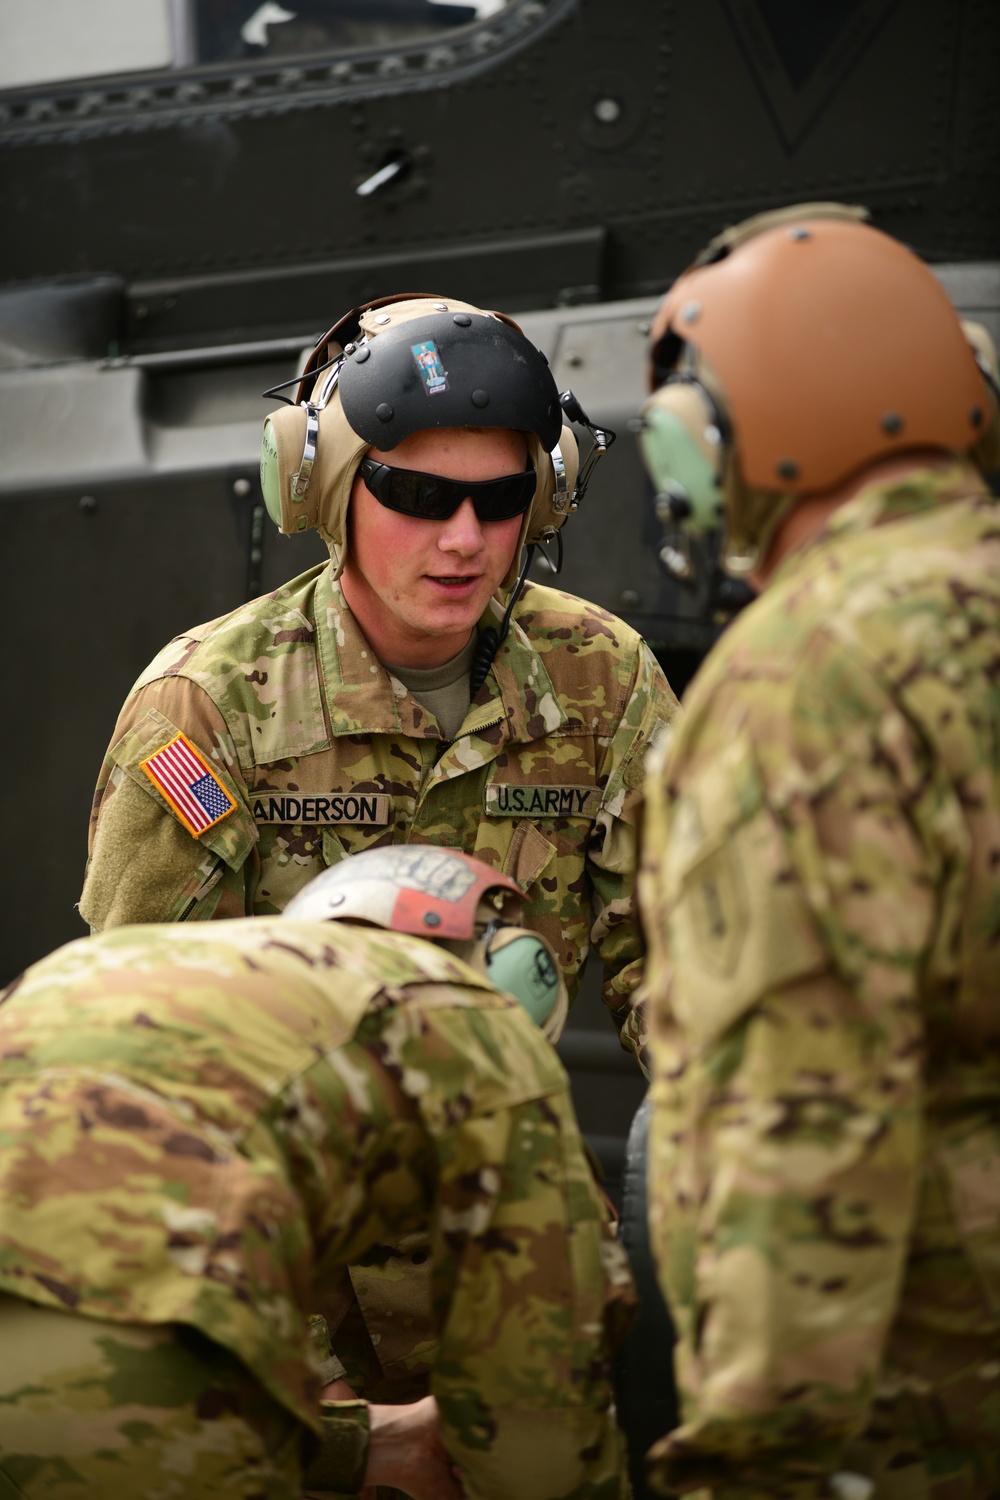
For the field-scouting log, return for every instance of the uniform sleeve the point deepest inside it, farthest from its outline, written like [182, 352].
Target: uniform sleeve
[649, 706]
[469, 1115]
[788, 887]
[144, 864]
[526, 1282]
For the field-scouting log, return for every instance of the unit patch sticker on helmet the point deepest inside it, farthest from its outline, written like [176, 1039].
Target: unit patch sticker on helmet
[436, 872]
[512, 800]
[432, 372]
[370, 809]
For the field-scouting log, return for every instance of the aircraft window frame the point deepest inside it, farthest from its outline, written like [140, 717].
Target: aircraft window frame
[113, 104]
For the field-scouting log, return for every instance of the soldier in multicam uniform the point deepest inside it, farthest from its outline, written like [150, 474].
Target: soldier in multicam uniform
[334, 716]
[820, 881]
[409, 691]
[202, 1126]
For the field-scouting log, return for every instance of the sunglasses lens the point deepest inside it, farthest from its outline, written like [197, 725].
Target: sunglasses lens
[422, 495]
[432, 498]
[499, 499]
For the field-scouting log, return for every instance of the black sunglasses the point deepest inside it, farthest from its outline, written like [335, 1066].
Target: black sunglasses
[431, 498]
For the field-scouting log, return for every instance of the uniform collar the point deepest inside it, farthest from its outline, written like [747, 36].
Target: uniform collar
[926, 486]
[363, 698]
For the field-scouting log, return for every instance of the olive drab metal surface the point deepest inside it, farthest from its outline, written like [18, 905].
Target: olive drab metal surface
[191, 206]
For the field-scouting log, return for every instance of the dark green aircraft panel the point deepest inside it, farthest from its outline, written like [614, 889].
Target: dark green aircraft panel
[555, 152]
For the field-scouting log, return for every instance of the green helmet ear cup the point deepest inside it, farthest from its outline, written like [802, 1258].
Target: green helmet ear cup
[524, 969]
[270, 481]
[681, 446]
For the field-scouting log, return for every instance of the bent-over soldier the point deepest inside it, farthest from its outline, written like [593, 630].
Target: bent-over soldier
[203, 1126]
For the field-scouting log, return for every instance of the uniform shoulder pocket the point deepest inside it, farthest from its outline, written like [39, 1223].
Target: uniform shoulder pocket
[185, 782]
[737, 921]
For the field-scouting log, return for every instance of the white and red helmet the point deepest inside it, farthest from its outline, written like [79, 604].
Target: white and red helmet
[452, 899]
[416, 888]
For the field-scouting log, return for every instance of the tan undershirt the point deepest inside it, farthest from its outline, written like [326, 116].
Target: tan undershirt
[444, 690]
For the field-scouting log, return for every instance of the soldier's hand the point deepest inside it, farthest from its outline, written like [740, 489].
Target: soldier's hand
[407, 1453]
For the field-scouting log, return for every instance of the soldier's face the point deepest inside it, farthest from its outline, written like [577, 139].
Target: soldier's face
[417, 588]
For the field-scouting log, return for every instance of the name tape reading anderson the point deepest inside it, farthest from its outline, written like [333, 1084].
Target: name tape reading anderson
[371, 808]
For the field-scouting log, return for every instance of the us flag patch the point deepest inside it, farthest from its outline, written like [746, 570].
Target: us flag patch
[191, 787]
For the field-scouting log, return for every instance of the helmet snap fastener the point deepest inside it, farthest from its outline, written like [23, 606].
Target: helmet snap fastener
[462, 319]
[384, 412]
[383, 318]
[480, 398]
[362, 354]
[431, 919]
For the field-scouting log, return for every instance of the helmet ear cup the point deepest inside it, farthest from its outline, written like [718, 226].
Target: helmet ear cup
[682, 437]
[281, 460]
[521, 964]
[553, 499]
[270, 477]
[308, 460]
[688, 446]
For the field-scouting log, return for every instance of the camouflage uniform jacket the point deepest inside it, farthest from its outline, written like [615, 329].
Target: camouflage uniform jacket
[323, 754]
[820, 889]
[203, 1127]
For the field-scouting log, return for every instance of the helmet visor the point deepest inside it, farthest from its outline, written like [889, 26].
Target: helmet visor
[430, 497]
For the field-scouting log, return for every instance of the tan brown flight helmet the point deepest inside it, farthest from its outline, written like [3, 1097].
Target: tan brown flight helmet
[365, 387]
[801, 346]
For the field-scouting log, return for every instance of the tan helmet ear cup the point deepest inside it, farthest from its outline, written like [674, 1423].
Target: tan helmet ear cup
[550, 504]
[282, 449]
[554, 495]
[323, 502]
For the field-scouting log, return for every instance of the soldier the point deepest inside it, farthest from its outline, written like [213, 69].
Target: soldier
[412, 690]
[820, 881]
[203, 1126]
[335, 716]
